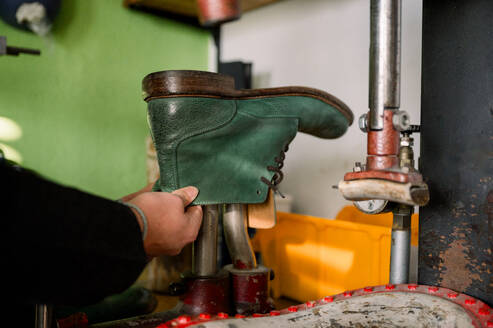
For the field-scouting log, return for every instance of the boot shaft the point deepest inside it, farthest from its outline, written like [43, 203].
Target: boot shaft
[229, 143]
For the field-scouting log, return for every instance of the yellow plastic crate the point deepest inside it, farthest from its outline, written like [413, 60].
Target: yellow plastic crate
[313, 257]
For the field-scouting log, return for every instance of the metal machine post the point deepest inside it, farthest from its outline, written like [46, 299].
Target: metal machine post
[207, 288]
[205, 246]
[385, 59]
[388, 180]
[400, 247]
[43, 316]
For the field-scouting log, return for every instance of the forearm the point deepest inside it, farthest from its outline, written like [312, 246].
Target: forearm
[65, 246]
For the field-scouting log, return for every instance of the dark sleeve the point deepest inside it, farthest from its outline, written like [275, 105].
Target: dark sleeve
[65, 246]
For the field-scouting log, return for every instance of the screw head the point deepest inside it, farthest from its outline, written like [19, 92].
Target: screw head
[310, 304]
[223, 315]
[293, 308]
[184, 319]
[239, 316]
[347, 294]
[204, 316]
[432, 289]
[328, 299]
[401, 121]
[483, 311]
[274, 313]
[368, 289]
[470, 301]
[452, 295]
[412, 287]
[390, 287]
[257, 315]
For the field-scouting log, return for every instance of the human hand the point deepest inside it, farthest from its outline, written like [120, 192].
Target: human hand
[171, 225]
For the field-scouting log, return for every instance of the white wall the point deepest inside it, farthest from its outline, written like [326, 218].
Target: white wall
[322, 44]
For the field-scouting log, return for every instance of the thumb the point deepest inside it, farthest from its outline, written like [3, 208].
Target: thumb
[187, 194]
[194, 215]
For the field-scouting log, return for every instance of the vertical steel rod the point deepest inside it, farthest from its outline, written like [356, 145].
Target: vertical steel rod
[236, 235]
[385, 59]
[205, 246]
[399, 256]
[43, 316]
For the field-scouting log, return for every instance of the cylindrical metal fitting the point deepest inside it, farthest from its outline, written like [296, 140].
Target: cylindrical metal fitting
[205, 246]
[236, 236]
[43, 316]
[385, 59]
[383, 146]
[399, 256]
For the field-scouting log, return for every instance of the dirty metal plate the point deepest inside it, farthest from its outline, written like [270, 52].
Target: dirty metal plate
[381, 306]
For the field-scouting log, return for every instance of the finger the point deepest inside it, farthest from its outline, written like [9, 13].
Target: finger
[194, 215]
[187, 194]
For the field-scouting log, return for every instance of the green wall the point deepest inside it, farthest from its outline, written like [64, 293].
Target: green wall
[79, 104]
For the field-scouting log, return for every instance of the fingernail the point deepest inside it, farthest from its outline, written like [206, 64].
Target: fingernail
[191, 191]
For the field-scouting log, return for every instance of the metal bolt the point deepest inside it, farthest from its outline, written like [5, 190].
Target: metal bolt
[240, 316]
[293, 309]
[274, 313]
[483, 311]
[407, 141]
[204, 316]
[328, 299]
[363, 123]
[347, 294]
[432, 289]
[401, 121]
[470, 301]
[368, 289]
[452, 295]
[412, 287]
[390, 287]
[223, 315]
[357, 167]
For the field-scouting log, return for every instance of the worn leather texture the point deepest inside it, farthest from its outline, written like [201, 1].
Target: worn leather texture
[224, 146]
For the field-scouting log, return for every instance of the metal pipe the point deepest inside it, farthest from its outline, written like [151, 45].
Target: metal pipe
[236, 236]
[43, 316]
[205, 246]
[399, 256]
[400, 248]
[385, 59]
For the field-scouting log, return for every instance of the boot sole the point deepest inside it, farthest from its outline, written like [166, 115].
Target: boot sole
[184, 83]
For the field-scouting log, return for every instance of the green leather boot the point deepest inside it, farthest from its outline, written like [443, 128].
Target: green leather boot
[230, 143]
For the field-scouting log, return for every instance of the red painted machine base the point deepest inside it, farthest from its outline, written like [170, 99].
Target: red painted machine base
[250, 290]
[207, 294]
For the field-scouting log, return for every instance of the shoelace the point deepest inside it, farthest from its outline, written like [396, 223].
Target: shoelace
[278, 175]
